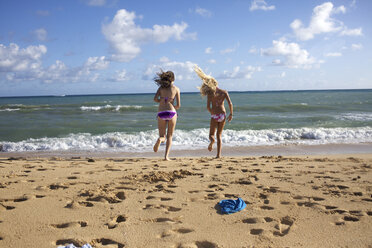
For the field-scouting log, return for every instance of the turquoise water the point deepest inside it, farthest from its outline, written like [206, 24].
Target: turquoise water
[128, 122]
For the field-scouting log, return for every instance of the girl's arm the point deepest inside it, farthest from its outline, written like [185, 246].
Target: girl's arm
[209, 101]
[178, 98]
[230, 106]
[157, 96]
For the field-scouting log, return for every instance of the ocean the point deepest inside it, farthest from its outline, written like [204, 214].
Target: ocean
[127, 122]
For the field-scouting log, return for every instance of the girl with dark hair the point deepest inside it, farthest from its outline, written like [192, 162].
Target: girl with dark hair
[167, 116]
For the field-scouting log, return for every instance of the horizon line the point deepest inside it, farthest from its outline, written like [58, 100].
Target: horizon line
[188, 92]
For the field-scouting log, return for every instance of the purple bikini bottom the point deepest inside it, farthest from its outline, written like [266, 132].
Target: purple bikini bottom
[166, 115]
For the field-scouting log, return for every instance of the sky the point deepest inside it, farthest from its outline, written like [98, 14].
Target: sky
[69, 47]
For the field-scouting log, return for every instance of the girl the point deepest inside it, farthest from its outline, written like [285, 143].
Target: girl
[215, 106]
[167, 115]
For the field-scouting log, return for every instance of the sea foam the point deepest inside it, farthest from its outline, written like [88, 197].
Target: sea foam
[194, 139]
[109, 107]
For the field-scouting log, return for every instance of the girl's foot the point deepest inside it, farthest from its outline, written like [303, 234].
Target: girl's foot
[157, 144]
[210, 147]
[167, 159]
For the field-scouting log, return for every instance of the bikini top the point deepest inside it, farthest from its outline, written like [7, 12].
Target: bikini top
[167, 98]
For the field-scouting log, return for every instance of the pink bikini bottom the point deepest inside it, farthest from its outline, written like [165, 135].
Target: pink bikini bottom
[219, 117]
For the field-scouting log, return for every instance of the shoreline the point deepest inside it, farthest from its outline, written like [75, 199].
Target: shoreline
[237, 151]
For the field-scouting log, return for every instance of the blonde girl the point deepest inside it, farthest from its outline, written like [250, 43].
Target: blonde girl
[215, 106]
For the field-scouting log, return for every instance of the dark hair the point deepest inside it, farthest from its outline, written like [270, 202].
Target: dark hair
[164, 79]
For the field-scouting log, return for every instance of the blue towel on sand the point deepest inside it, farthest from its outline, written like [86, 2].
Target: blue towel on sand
[232, 206]
[73, 246]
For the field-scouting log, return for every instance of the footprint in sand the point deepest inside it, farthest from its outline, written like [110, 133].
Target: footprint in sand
[330, 207]
[56, 186]
[284, 226]
[21, 199]
[193, 191]
[4, 207]
[75, 242]
[75, 205]
[184, 230]
[164, 207]
[115, 221]
[351, 218]
[231, 196]
[356, 212]
[70, 224]
[257, 231]
[252, 221]
[267, 208]
[306, 204]
[212, 196]
[165, 199]
[198, 244]
[165, 220]
[318, 198]
[258, 220]
[151, 197]
[173, 232]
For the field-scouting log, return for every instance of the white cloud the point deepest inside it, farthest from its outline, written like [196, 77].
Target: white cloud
[212, 61]
[260, 5]
[230, 49]
[125, 37]
[15, 59]
[253, 50]
[24, 64]
[238, 72]
[281, 75]
[40, 34]
[96, 63]
[182, 70]
[322, 22]
[203, 12]
[356, 46]
[120, 76]
[333, 54]
[294, 56]
[227, 50]
[208, 50]
[352, 32]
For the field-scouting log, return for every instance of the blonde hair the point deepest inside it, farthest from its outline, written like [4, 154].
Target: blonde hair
[209, 85]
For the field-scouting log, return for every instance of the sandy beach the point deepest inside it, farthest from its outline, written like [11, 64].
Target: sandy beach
[292, 201]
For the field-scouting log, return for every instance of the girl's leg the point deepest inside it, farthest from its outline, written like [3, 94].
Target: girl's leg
[171, 126]
[212, 131]
[162, 127]
[220, 127]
